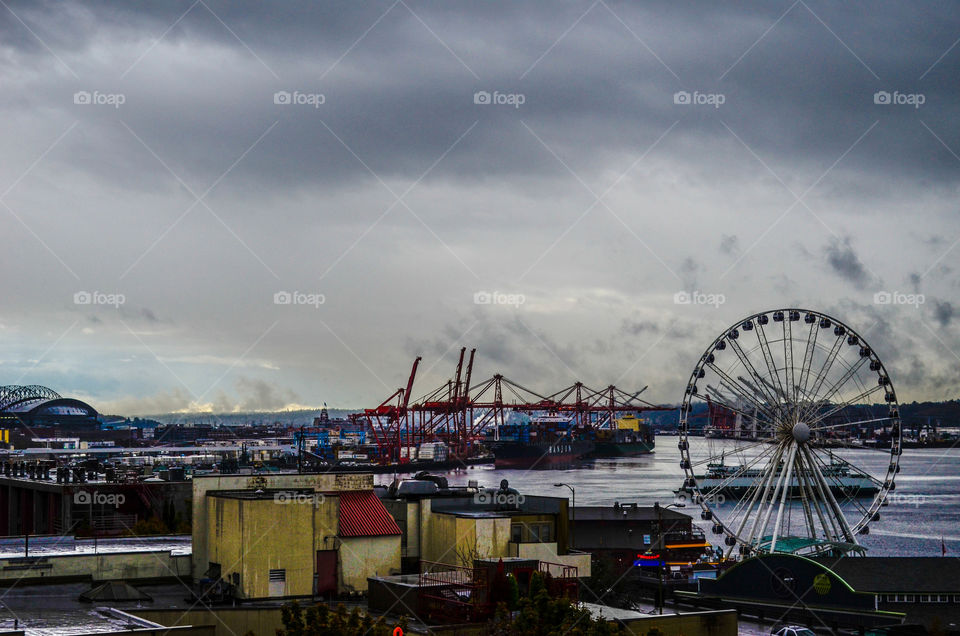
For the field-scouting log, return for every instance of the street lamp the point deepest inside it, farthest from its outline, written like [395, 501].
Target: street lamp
[573, 521]
[659, 510]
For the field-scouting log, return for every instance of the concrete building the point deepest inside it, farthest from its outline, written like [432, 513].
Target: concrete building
[33, 502]
[459, 525]
[291, 535]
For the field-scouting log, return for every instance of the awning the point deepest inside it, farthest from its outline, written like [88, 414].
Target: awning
[362, 515]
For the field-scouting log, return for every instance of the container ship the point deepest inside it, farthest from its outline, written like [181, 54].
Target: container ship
[631, 437]
[547, 441]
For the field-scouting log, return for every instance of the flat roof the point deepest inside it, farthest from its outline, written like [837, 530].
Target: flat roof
[888, 575]
[53, 546]
[624, 513]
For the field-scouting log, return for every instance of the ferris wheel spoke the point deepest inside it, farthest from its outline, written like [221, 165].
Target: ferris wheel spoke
[824, 487]
[721, 400]
[738, 389]
[748, 366]
[847, 497]
[844, 405]
[850, 372]
[825, 368]
[772, 503]
[718, 489]
[712, 459]
[788, 358]
[813, 503]
[808, 359]
[846, 424]
[772, 469]
[828, 524]
[742, 513]
[807, 514]
[771, 365]
[787, 487]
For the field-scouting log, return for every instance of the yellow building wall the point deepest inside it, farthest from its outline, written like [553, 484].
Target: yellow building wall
[252, 537]
[361, 557]
[106, 566]
[321, 483]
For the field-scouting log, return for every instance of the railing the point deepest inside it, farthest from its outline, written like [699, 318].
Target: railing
[561, 579]
[453, 593]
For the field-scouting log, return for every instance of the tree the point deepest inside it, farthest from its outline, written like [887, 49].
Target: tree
[541, 615]
[319, 620]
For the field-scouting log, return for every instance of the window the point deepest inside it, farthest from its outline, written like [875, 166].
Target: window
[516, 533]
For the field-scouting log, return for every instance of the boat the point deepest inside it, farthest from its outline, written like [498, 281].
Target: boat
[631, 437]
[733, 482]
[547, 441]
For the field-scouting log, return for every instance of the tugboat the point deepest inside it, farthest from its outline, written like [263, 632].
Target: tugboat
[631, 437]
[548, 441]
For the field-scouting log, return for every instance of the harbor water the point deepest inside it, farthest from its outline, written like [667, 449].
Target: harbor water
[923, 510]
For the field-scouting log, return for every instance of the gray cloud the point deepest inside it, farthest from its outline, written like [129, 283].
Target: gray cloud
[300, 197]
[844, 262]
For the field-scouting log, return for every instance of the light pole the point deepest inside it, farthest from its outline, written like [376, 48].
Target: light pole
[659, 509]
[573, 521]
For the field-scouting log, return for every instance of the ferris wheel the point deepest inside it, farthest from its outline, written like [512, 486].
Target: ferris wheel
[769, 416]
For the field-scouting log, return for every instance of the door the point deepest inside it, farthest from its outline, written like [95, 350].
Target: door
[326, 572]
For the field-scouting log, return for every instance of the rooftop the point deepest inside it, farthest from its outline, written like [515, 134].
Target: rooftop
[909, 575]
[626, 512]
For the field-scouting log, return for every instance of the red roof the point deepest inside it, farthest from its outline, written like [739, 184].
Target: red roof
[362, 515]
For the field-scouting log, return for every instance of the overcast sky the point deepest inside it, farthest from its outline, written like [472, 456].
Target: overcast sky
[401, 161]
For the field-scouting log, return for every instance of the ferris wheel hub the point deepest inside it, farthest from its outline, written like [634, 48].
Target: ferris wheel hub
[801, 432]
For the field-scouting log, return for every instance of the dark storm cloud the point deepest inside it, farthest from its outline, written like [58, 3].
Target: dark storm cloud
[943, 312]
[507, 191]
[400, 99]
[844, 262]
[729, 244]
